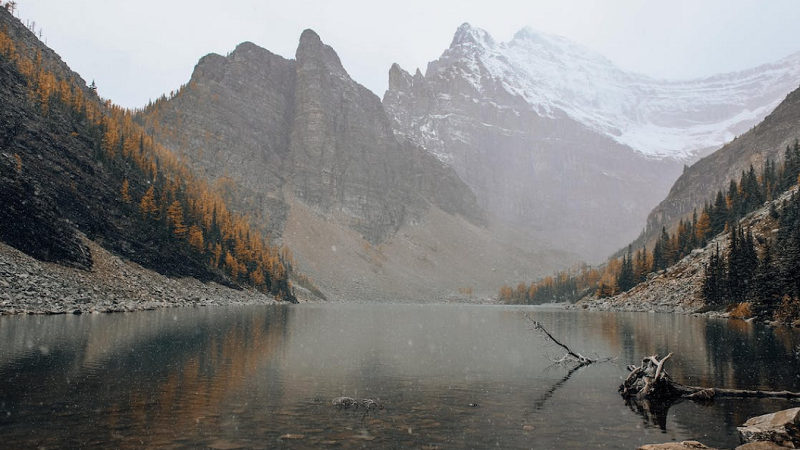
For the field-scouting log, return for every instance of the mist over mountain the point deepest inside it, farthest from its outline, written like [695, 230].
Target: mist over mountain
[553, 136]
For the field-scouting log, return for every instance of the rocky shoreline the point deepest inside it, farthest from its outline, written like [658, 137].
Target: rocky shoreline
[779, 430]
[29, 286]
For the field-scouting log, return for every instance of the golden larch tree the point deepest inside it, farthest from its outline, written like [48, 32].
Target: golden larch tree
[124, 191]
[148, 203]
[175, 219]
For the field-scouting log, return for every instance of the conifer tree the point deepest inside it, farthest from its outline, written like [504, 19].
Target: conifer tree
[626, 279]
[718, 214]
[148, 204]
[764, 294]
[713, 289]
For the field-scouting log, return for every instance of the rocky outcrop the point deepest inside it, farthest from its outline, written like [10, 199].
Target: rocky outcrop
[232, 121]
[345, 158]
[782, 428]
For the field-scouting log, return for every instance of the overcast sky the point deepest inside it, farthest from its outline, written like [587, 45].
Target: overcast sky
[137, 51]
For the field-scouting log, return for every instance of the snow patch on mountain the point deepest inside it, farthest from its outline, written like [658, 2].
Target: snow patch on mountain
[658, 118]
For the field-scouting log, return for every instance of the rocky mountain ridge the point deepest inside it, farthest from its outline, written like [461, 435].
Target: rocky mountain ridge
[312, 153]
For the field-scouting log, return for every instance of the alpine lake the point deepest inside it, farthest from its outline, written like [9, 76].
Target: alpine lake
[447, 377]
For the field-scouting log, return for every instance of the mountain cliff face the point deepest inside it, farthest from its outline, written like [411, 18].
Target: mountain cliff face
[766, 141]
[552, 135]
[304, 128]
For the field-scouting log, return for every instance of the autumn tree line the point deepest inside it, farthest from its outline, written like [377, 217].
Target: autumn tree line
[172, 200]
[717, 216]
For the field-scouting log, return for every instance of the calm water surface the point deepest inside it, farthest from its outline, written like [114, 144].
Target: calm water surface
[228, 378]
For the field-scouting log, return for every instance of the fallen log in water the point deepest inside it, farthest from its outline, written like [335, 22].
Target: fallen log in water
[651, 382]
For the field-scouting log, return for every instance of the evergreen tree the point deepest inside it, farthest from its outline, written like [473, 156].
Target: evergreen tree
[641, 268]
[734, 202]
[718, 214]
[658, 257]
[791, 167]
[788, 248]
[752, 194]
[626, 279]
[769, 180]
[764, 294]
[713, 289]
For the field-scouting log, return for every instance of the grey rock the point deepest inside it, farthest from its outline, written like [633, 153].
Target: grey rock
[782, 427]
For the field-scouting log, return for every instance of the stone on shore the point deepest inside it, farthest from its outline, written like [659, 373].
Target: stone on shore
[782, 427]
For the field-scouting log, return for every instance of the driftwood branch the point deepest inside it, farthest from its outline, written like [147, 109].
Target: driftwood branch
[651, 382]
[571, 356]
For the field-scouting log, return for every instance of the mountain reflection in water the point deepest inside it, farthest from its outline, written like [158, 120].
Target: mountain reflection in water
[448, 377]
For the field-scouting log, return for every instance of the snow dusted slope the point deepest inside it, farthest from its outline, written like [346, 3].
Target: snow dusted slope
[553, 137]
[658, 118]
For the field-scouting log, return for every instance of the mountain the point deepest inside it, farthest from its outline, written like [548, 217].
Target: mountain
[80, 181]
[766, 141]
[552, 135]
[314, 152]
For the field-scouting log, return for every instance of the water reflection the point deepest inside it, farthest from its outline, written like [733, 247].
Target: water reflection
[263, 377]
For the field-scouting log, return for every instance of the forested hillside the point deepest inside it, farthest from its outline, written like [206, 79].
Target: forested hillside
[73, 164]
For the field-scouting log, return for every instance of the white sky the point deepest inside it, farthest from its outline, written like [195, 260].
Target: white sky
[139, 50]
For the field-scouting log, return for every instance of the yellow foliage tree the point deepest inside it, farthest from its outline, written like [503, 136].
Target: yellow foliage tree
[124, 192]
[148, 203]
[196, 238]
[703, 226]
[175, 219]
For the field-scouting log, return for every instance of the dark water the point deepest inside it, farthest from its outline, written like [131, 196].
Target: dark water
[226, 378]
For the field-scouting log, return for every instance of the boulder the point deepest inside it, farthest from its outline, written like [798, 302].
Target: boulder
[782, 428]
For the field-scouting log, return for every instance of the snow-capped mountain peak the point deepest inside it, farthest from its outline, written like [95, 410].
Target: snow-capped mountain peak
[466, 34]
[658, 118]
